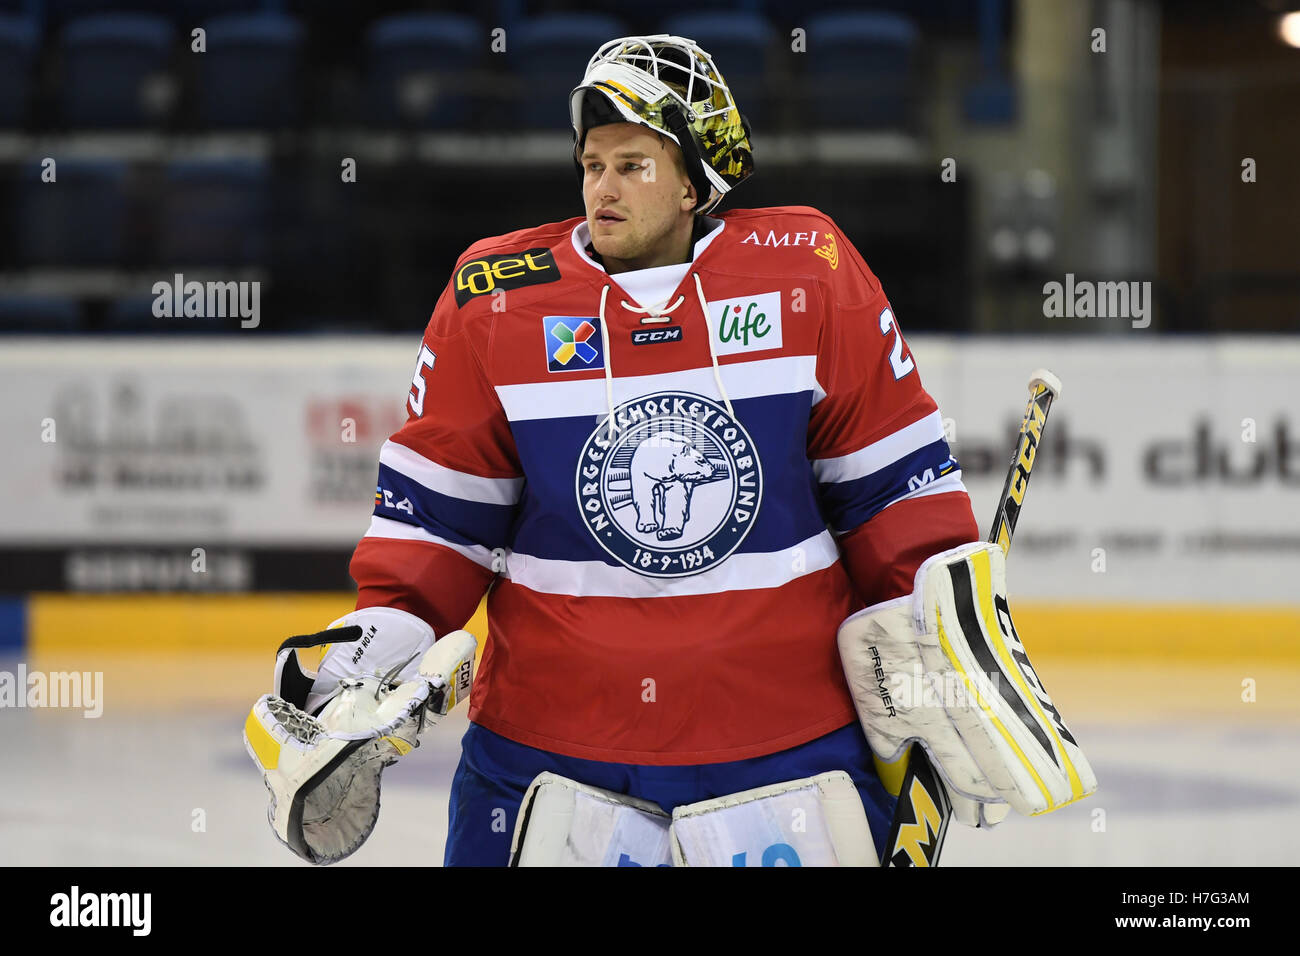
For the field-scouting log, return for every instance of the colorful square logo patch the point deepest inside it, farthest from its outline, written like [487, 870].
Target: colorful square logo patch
[573, 343]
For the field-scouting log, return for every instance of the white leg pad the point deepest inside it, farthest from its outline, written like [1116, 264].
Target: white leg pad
[565, 823]
[816, 821]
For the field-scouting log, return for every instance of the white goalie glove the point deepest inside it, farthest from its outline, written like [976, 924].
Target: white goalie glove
[368, 642]
[945, 667]
[323, 771]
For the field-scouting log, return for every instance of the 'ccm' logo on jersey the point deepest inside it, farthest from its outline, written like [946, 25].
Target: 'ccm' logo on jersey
[749, 323]
[490, 273]
[671, 333]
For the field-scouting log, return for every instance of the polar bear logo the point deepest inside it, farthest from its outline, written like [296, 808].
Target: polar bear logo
[663, 470]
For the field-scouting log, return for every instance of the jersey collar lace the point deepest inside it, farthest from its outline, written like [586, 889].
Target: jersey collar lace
[706, 230]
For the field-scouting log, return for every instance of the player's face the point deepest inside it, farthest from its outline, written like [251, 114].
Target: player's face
[630, 172]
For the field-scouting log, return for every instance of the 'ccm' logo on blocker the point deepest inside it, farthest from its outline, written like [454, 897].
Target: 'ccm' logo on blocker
[749, 323]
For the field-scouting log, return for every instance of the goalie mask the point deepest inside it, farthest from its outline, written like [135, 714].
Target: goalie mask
[669, 85]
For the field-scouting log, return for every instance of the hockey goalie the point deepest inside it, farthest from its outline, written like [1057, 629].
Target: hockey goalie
[687, 455]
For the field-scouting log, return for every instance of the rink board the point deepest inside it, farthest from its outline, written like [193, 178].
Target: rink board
[1169, 471]
[181, 624]
[178, 653]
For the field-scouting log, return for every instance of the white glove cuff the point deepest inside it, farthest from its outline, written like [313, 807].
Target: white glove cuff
[370, 642]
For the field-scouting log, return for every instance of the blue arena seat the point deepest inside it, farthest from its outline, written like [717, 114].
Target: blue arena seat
[191, 12]
[216, 213]
[250, 76]
[418, 67]
[546, 57]
[18, 48]
[80, 219]
[862, 74]
[37, 314]
[115, 70]
[183, 14]
[57, 13]
[674, 8]
[944, 15]
[740, 44]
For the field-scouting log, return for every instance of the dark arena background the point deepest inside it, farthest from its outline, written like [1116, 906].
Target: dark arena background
[1106, 188]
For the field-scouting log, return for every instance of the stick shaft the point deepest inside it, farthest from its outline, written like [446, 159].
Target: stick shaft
[1044, 387]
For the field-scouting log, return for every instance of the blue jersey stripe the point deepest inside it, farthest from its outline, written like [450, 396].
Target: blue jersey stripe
[458, 520]
[849, 503]
[549, 523]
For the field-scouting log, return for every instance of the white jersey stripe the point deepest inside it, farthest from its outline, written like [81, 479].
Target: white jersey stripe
[562, 398]
[740, 572]
[880, 454]
[388, 528]
[439, 478]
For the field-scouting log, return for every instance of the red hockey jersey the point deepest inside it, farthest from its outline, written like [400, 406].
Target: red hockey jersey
[674, 508]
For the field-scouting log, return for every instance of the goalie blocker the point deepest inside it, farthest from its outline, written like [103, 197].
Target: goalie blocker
[982, 715]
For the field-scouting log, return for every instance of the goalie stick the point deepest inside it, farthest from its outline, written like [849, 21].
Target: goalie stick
[920, 822]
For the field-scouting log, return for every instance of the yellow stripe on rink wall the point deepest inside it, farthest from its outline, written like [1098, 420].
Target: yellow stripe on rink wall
[259, 622]
[186, 623]
[1171, 632]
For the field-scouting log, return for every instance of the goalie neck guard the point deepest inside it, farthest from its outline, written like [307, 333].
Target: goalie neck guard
[671, 86]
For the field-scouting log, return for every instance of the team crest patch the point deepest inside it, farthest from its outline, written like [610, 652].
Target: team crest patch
[573, 343]
[674, 489]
